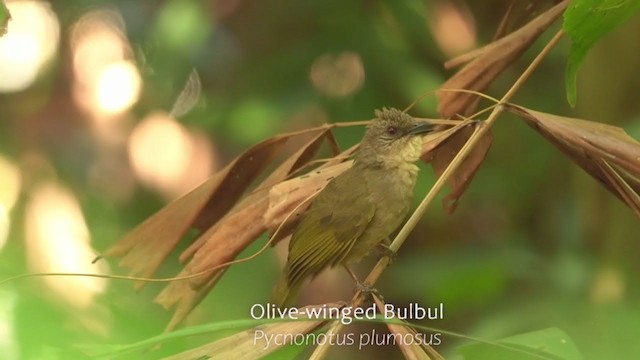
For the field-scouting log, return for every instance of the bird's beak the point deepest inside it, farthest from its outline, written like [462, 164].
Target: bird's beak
[420, 128]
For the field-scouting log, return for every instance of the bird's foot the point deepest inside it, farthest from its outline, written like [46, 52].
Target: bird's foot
[385, 251]
[368, 291]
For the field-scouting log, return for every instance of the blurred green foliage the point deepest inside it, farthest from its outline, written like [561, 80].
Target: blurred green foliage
[535, 243]
[4, 17]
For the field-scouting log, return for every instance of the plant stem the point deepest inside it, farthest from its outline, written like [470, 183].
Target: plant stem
[479, 132]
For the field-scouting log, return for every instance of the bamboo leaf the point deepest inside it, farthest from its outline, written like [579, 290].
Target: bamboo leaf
[489, 62]
[410, 350]
[145, 247]
[605, 152]
[441, 155]
[223, 241]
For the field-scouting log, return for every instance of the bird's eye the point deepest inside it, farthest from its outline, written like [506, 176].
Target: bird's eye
[392, 130]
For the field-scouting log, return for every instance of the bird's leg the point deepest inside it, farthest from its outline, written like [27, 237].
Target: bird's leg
[366, 289]
[385, 250]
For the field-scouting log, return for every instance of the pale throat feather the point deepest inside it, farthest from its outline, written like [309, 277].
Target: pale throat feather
[405, 159]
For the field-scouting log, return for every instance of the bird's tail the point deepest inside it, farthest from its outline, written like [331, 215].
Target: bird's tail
[285, 294]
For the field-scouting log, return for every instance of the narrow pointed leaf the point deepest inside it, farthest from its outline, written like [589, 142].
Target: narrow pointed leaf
[490, 62]
[441, 156]
[605, 152]
[145, 247]
[411, 350]
[223, 241]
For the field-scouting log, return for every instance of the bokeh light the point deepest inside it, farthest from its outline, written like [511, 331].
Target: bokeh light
[107, 82]
[338, 75]
[167, 157]
[29, 44]
[118, 87]
[453, 28]
[608, 286]
[57, 240]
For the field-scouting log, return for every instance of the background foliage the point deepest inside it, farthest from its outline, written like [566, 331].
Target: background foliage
[534, 243]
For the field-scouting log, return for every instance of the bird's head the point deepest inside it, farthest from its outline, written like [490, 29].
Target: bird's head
[393, 136]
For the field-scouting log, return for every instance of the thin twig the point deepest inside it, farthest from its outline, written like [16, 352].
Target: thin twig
[321, 351]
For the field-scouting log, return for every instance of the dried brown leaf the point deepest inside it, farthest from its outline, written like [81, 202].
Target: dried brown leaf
[605, 152]
[183, 298]
[293, 163]
[236, 177]
[623, 184]
[434, 139]
[484, 66]
[411, 350]
[504, 22]
[489, 62]
[144, 247]
[222, 242]
[447, 147]
[257, 201]
[147, 245]
[243, 345]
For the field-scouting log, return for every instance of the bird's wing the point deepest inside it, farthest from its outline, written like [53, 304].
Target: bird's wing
[336, 219]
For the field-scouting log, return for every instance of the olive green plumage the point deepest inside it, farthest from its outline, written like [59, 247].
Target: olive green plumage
[359, 208]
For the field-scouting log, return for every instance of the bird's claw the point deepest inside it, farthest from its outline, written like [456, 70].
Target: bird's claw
[385, 251]
[368, 291]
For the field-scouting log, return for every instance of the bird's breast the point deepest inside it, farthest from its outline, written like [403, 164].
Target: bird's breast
[400, 184]
[390, 191]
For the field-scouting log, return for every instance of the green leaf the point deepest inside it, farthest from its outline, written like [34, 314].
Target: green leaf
[4, 18]
[550, 343]
[586, 21]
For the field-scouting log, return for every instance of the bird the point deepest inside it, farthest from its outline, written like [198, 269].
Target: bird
[357, 210]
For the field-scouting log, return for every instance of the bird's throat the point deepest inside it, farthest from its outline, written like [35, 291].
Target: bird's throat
[404, 159]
